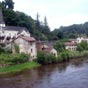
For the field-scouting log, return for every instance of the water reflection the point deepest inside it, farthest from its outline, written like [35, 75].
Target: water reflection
[71, 74]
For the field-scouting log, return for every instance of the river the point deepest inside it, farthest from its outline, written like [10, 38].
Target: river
[72, 74]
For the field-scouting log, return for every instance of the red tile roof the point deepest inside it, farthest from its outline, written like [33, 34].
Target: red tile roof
[70, 44]
[27, 38]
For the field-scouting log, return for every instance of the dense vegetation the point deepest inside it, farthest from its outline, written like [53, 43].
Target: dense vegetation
[64, 56]
[72, 31]
[44, 58]
[8, 58]
[82, 46]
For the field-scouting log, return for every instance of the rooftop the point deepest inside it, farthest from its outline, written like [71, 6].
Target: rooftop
[14, 28]
[29, 39]
[70, 44]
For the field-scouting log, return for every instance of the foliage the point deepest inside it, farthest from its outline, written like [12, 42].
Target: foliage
[16, 48]
[71, 31]
[8, 4]
[59, 46]
[44, 58]
[20, 58]
[9, 59]
[82, 46]
[1, 50]
[64, 56]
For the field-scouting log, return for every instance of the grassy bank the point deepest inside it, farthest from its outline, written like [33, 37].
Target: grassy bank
[19, 67]
[67, 55]
[44, 58]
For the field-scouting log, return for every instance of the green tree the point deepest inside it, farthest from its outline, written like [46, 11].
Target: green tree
[10, 17]
[44, 58]
[9, 4]
[82, 46]
[59, 46]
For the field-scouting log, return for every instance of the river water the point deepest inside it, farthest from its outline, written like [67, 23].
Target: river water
[73, 74]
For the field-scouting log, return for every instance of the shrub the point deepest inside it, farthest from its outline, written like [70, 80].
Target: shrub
[1, 50]
[59, 58]
[44, 58]
[20, 58]
[13, 58]
[16, 48]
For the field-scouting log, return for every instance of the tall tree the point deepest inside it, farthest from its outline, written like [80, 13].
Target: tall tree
[9, 4]
[37, 20]
[45, 21]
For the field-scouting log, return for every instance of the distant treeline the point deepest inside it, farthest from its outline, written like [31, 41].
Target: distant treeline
[72, 31]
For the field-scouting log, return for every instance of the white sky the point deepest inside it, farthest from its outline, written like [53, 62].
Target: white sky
[58, 12]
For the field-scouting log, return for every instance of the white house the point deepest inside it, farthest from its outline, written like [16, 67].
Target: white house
[27, 45]
[8, 33]
[54, 52]
[72, 46]
[80, 39]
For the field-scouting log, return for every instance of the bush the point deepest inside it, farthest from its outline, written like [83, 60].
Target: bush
[59, 58]
[16, 48]
[44, 58]
[59, 46]
[20, 58]
[65, 56]
[1, 50]
[13, 58]
[82, 46]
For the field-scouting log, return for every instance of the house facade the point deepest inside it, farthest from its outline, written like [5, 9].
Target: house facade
[80, 39]
[72, 46]
[27, 45]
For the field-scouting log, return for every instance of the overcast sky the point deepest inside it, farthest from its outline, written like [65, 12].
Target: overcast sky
[58, 12]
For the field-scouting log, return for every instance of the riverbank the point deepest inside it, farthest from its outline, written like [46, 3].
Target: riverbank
[67, 55]
[19, 67]
[44, 59]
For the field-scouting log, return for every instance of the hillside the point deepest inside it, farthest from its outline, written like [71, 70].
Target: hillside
[72, 31]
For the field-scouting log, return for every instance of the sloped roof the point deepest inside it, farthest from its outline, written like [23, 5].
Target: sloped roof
[70, 44]
[1, 16]
[14, 28]
[27, 38]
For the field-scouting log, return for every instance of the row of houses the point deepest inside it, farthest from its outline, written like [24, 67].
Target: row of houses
[72, 44]
[11, 35]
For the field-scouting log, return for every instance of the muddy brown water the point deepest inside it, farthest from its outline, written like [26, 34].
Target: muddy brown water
[73, 74]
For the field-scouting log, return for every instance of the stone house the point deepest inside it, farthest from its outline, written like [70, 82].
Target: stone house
[27, 45]
[46, 48]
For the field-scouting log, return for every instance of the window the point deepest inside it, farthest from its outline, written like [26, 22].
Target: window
[31, 50]
[31, 43]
